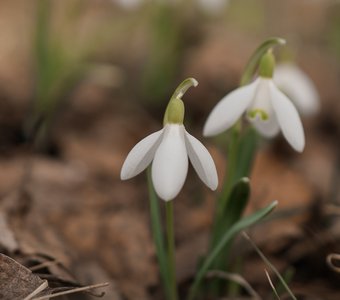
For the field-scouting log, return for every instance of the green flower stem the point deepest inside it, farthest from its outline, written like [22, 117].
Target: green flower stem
[169, 207]
[157, 233]
[230, 170]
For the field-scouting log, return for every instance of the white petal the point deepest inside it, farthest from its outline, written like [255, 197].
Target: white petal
[288, 118]
[170, 164]
[268, 128]
[299, 88]
[201, 161]
[213, 6]
[229, 109]
[141, 155]
[129, 4]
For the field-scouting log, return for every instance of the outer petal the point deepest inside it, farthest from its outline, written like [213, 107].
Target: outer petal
[170, 165]
[268, 128]
[288, 118]
[229, 109]
[201, 161]
[141, 155]
[297, 85]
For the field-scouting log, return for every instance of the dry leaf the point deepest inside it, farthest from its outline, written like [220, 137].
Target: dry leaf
[17, 282]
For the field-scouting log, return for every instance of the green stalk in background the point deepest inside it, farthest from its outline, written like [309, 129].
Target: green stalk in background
[61, 62]
[165, 50]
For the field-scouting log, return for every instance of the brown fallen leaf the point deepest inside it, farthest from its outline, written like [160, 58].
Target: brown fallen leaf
[18, 282]
[7, 239]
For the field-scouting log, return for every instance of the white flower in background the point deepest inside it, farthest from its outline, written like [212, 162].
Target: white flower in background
[268, 109]
[298, 87]
[168, 150]
[129, 4]
[213, 6]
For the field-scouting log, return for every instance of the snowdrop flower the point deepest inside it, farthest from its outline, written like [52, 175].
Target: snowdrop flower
[168, 150]
[298, 86]
[213, 6]
[268, 109]
[129, 4]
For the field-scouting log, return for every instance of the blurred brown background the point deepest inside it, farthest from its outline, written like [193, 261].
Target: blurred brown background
[82, 81]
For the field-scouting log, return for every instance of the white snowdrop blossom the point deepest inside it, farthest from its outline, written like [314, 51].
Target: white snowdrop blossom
[267, 108]
[129, 4]
[213, 6]
[298, 86]
[170, 150]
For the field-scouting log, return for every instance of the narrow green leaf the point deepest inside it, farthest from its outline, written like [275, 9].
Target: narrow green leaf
[236, 228]
[233, 211]
[157, 233]
[255, 58]
[238, 200]
[270, 265]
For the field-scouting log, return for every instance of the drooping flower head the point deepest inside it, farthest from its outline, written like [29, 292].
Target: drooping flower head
[267, 108]
[168, 149]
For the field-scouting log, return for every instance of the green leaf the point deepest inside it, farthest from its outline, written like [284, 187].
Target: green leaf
[228, 235]
[238, 200]
[157, 233]
[235, 206]
[257, 55]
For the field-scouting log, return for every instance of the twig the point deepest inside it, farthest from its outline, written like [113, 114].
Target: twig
[236, 278]
[332, 209]
[76, 290]
[44, 265]
[330, 263]
[271, 284]
[270, 265]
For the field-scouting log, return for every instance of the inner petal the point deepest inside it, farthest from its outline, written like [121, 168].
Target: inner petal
[261, 108]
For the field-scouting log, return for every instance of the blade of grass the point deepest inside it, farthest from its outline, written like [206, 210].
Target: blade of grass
[234, 209]
[236, 228]
[287, 276]
[236, 278]
[231, 214]
[272, 285]
[270, 265]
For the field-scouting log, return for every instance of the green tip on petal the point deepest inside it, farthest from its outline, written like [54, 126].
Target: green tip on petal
[267, 64]
[174, 112]
[263, 115]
